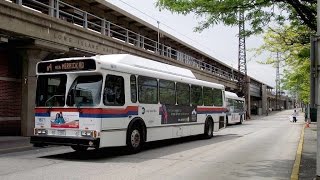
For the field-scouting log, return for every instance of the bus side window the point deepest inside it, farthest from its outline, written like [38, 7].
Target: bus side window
[183, 94]
[217, 97]
[167, 92]
[114, 91]
[196, 95]
[207, 96]
[133, 88]
[148, 90]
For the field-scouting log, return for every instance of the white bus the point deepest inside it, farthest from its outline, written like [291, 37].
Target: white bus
[235, 108]
[122, 100]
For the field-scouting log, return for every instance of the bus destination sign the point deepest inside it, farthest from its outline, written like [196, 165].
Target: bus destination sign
[67, 66]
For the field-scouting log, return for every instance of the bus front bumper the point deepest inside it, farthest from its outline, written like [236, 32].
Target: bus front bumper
[65, 141]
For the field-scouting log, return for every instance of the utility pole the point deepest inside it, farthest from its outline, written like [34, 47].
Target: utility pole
[278, 92]
[243, 83]
[316, 87]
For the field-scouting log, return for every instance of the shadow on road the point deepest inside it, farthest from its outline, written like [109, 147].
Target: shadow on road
[151, 150]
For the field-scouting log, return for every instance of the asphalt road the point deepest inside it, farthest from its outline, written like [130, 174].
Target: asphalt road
[264, 148]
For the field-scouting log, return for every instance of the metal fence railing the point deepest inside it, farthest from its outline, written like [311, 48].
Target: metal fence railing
[64, 11]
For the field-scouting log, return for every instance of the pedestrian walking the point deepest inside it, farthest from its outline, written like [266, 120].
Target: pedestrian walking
[294, 116]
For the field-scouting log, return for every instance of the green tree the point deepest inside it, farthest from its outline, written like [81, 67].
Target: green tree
[290, 40]
[291, 44]
[258, 13]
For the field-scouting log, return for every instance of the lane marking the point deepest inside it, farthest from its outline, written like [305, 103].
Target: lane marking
[296, 165]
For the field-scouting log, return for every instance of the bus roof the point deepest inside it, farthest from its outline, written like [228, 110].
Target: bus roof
[231, 95]
[143, 66]
[137, 65]
[136, 61]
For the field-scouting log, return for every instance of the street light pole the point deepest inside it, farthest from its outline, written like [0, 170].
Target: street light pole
[232, 72]
[158, 43]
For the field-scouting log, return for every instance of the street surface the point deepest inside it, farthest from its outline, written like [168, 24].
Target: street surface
[264, 148]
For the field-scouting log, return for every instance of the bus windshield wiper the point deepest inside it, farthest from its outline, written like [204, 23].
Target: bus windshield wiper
[52, 98]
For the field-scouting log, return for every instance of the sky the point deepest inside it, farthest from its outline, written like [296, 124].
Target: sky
[218, 41]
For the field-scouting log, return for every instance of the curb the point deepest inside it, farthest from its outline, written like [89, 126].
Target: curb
[296, 165]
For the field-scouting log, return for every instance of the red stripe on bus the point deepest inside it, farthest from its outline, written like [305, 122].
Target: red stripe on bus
[90, 110]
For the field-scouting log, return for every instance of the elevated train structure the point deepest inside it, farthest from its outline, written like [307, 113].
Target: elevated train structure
[32, 31]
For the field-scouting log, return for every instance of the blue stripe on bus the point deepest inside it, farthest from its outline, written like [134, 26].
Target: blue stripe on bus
[210, 112]
[42, 114]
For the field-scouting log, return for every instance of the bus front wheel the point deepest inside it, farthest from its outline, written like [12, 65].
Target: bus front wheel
[135, 138]
[208, 129]
[241, 120]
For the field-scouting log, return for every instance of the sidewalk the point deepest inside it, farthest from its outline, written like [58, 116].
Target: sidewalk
[14, 144]
[309, 153]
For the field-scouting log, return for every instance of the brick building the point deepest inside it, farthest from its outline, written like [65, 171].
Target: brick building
[10, 93]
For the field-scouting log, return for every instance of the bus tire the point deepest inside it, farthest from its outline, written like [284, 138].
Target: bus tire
[38, 145]
[208, 129]
[135, 138]
[227, 121]
[79, 148]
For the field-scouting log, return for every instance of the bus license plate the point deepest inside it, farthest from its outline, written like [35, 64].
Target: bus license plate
[61, 132]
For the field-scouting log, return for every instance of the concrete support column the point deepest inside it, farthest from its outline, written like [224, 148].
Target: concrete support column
[51, 8]
[19, 2]
[108, 29]
[138, 43]
[103, 27]
[30, 58]
[248, 99]
[264, 97]
[142, 41]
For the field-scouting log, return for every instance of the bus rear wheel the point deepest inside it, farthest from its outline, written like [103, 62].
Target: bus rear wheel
[208, 129]
[135, 139]
[79, 148]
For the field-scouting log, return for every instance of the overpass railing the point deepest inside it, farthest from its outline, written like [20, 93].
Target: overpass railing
[79, 17]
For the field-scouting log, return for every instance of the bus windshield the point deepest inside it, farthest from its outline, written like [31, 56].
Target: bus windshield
[85, 91]
[51, 90]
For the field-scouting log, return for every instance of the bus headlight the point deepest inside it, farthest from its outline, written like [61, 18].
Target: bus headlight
[40, 131]
[86, 133]
[89, 133]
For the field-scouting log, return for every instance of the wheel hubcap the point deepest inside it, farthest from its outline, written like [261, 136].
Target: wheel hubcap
[135, 138]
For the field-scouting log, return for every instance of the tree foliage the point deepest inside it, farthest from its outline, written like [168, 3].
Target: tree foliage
[258, 13]
[290, 42]
[296, 20]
